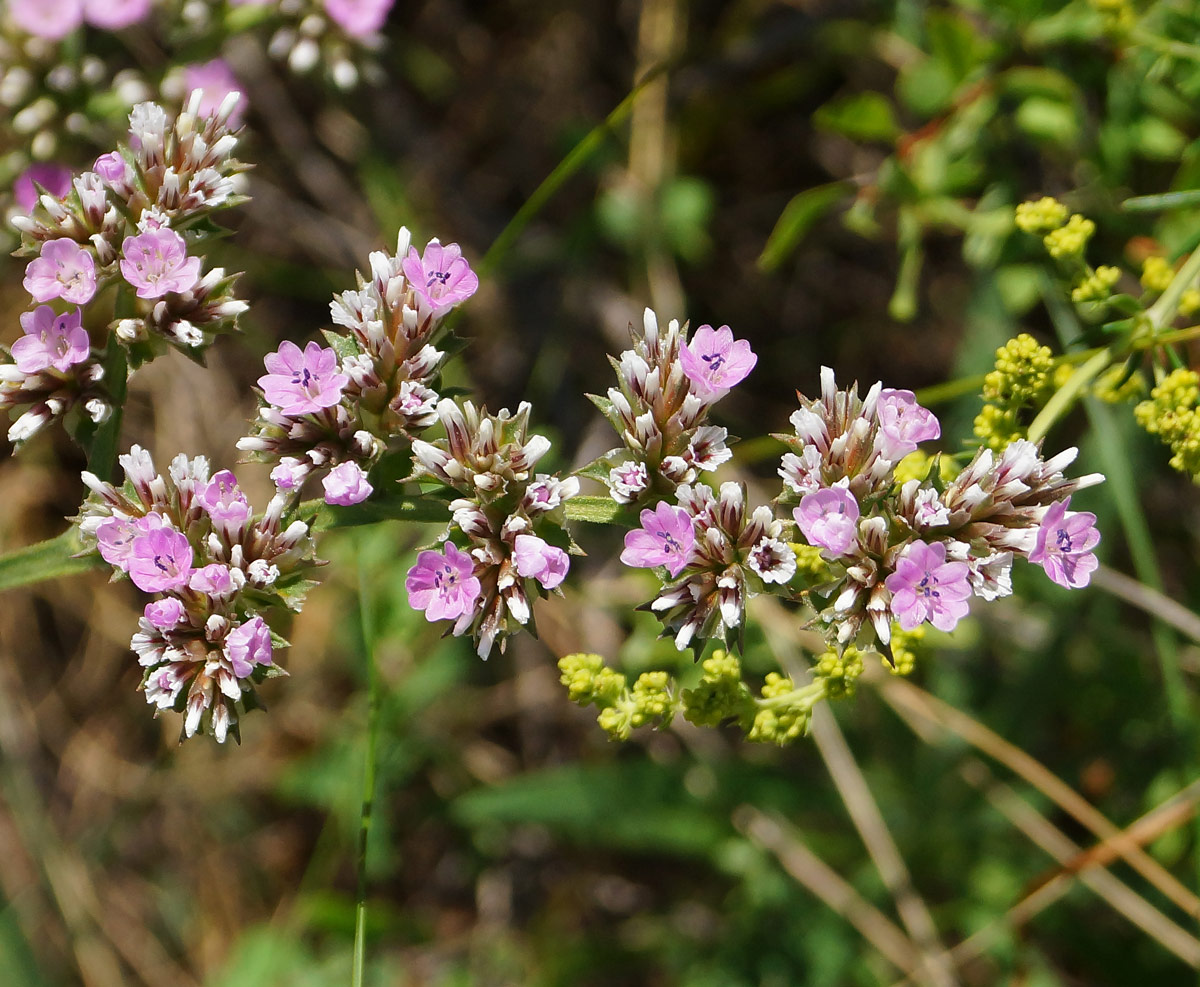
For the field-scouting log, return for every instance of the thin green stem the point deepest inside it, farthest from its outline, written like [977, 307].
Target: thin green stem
[1061, 400]
[1163, 310]
[367, 623]
[808, 696]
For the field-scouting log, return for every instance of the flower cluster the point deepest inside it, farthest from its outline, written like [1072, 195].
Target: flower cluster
[660, 409]
[128, 225]
[334, 411]
[1170, 413]
[507, 538]
[1023, 379]
[214, 569]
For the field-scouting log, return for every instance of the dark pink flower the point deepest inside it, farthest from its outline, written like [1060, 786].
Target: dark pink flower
[63, 270]
[247, 645]
[927, 587]
[535, 559]
[1064, 545]
[160, 560]
[299, 383]
[714, 361]
[829, 519]
[441, 278]
[665, 538]
[50, 340]
[903, 423]
[54, 178]
[156, 262]
[443, 585]
[346, 484]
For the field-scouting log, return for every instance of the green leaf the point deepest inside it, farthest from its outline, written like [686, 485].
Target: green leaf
[1183, 199]
[595, 510]
[1049, 120]
[48, 559]
[866, 116]
[799, 216]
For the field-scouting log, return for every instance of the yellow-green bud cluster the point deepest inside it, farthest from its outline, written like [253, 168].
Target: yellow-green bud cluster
[840, 672]
[1118, 15]
[904, 646]
[1022, 378]
[590, 682]
[1111, 388]
[809, 564]
[778, 720]
[1157, 274]
[1097, 286]
[1170, 413]
[1042, 216]
[720, 695]
[1070, 240]
[1189, 302]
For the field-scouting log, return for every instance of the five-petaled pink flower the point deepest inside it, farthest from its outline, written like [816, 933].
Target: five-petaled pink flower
[247, 645]
[443, 585]
[543, 562]
[714, 361]
[156, 262]
[64, 270]
[1064, 545]
[346, 484]
[441, 278]
[665, 538]
[50, 340]
[903, 423]
[224, 501]
[299, 383]
[927, 587]
[359, 17]
[829, 519]
[54, 178]
[160, 560]
[50, 19]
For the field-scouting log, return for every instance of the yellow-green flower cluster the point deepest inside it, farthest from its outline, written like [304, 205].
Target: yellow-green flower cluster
[1042, 216]
[904, 646]
[1070, 240]
[1023, 377]
[1097, 286]
[1170, 413]
[1157, 274]
[720, 695]
[809, 564]
[839, 672]
[784, 712]
[590, 682]
[1189, 302]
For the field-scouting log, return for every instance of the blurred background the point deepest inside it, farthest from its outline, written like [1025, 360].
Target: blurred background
[835, 181]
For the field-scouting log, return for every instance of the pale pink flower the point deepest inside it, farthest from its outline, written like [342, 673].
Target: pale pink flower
[441, 277]
[213, 580]
[164, 614]
[113, 168]
[829, 519]
[903, 423]
[50, 19]
[346, 484]
[443, 585]
[63, 270]
[290, 473]
[713, 361]
[54, 178]
[359, 17]
[665, 538]
[247, 645]
[927, 587]
[1064, 545]
[224, 501]
[299, 383]
[160, 560]
[217, 81]
[156, 262]
[50, 340]
[115, 14]
[538, 560]
[628, 481]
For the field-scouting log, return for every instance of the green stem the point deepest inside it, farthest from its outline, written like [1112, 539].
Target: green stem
[1163, 310]
[367, 622]
[102, 451]
[1061, 400]
[808, 696]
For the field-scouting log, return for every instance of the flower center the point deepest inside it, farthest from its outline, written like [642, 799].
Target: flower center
[440, 277]
[715, 361]
[927, 584]
[1063, 538]
[669, 542]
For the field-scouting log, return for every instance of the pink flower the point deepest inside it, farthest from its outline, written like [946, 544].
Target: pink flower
[160, 560]
[247, 645]
[545, 563]
[627, 481]
[927, 587]
[156, 262]
[714, 361]
[441, 278]
[113, 168]
[217, 81]
[359, 17]
[50, 340]
[903, 423]
[164, 614]
[54, 178]
[50, 19]
[64, 270]
[290, 473]
[444, 586]
[224, 501]
[115, 14]
[665, 538]
[213, 580]
[346, 484]
[299, 383]
[829, 519]
[114, 538]
[1064, 545]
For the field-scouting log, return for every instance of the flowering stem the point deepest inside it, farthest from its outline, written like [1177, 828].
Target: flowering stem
[1062, 398]
[367, 623]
